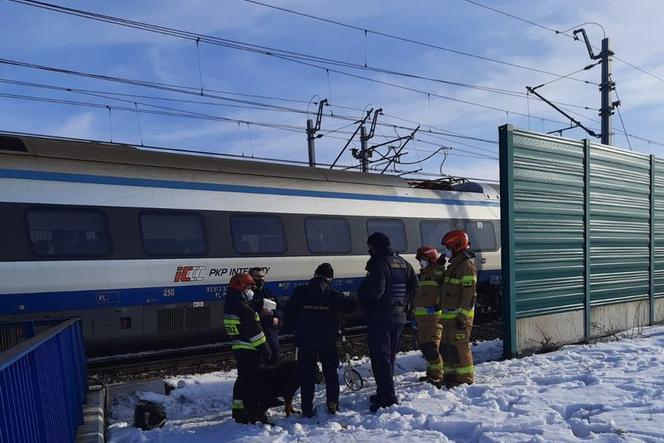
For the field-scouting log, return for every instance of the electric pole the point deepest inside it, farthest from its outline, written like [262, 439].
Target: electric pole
[311, 133]
[364, 151]
[606, 85]
[364, 154]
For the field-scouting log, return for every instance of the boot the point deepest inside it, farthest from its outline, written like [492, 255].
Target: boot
[332, 407]
[308, 413]
[240, 416]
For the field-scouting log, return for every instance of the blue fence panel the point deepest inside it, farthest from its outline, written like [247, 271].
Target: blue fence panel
[43, 383]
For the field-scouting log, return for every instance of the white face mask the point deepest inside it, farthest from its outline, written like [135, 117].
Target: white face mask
[249, 294]
[423, 263]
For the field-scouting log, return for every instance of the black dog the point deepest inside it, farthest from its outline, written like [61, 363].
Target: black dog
[268, 383]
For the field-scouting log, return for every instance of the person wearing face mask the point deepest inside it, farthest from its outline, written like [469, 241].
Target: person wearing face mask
[249, 344]
[458, 310]
[312, 314]
[270, 319]
[426, 312]
[384, 295]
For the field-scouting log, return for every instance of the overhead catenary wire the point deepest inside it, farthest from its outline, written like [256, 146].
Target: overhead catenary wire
[169, 87]
[179, 89]
[566, 34]
[171, 112]
[288, 55]
[403, 39]
[330, 60]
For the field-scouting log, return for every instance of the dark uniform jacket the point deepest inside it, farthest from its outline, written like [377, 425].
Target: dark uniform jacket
[257, 303]
[311, 313]
[388, 287]
[242, 325]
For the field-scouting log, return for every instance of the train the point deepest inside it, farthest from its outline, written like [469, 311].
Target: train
[140, 243]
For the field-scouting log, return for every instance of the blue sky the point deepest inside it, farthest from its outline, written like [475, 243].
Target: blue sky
[48, 38]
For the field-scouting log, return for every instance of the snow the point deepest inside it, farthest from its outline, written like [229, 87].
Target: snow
[605, 392]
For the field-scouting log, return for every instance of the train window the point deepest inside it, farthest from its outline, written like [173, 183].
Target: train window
[432, 231]
[173, 234]
[258, 234]
[393, 228]
[68, 232]
[327, 235]
[482, 235]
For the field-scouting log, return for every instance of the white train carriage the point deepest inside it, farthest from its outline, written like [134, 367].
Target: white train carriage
[140, 244]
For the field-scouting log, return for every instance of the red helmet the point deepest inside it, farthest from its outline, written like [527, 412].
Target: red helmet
[428, 253]
[456, 240]
[240, 281]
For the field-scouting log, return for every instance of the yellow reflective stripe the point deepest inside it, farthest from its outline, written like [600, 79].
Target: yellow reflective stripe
[447, 315]
[428, 283]
[465, 369]
[467, 313]
[259, 342]
[257, 337]
[256, 316]
[231, 322]
[434, 366]
[238, 404]
[425, 311]
[449, 369]
[468, 280]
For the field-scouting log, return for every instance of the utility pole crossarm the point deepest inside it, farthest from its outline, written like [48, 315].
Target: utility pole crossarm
[360, 123]
[572, 119]
[605, 86]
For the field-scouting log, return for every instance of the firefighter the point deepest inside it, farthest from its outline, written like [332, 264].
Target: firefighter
[249, 345]
[384, 294]
[426, 312]
[270, 320]
[312, 313]
[458, 310]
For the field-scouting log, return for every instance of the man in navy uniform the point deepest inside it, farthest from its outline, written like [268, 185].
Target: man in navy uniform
[312, 314]
[384, 295]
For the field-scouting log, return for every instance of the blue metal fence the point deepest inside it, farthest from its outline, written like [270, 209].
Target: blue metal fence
[43, 385]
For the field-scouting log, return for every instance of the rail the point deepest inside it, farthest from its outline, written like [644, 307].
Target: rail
[43, 385]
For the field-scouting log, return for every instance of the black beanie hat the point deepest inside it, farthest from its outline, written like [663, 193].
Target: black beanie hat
[325, 270]
[378, 239]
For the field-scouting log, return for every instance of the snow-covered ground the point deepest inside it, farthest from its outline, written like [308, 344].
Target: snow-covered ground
[606, 392]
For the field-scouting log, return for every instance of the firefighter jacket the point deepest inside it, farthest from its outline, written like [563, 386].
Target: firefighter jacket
[242, 325]
[312, 311]
[458, 299]
[388, 287]
[427, 300]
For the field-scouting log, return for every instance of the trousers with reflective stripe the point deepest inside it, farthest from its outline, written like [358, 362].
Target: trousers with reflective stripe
[456, 352]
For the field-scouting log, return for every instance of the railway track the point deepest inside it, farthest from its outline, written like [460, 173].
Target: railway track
[170, 359]
[218, 356]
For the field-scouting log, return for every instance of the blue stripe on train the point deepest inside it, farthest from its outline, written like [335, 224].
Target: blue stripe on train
[18, 304]
[172, 184]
